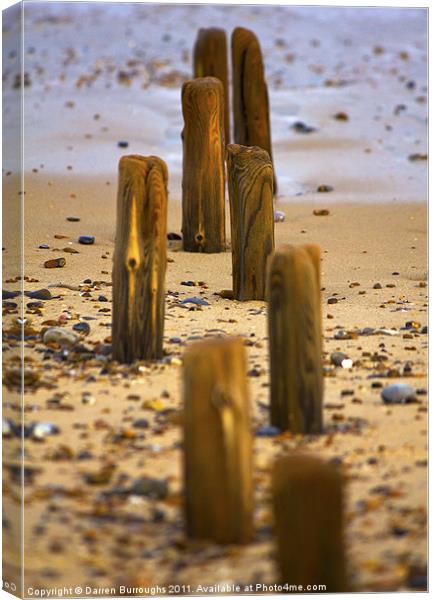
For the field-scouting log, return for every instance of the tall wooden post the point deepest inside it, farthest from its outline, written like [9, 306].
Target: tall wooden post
[210, 59]
[203, 174]
[217, 442]
[250, 93]
[294, 327]
[139, 261]
[309, 522]
[250, 182]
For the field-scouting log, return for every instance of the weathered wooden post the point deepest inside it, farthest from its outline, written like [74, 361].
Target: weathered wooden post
[250, 183]
[203, 172]
[294, 328]
[250, 93]
[217, 442]
[139, 261]
[210, 59]
[309, 523]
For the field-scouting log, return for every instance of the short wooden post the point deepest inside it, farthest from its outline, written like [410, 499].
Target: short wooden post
[309, 523]
[217, 442]
[294, 327]
[203, 174]
[250, 182]
[250, 93]
[210, 59]
[139, 261]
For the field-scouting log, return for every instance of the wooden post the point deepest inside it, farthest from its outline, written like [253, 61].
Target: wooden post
[294, 327]
[308, 514]
[210, 59]
[217, 442]
[250, 93]
[250, 183]
[139, 261]
[203, 174]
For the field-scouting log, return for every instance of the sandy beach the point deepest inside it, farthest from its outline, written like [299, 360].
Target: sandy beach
[101, 75]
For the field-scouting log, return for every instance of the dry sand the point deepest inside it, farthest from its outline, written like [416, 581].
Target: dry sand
[74, 534]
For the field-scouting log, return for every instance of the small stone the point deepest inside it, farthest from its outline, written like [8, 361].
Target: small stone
[196, 301]
[86, 239]
[70, 250]
[321, 212]
[416, 157]
[141, 424]
[43, 294]
[336, 358]
[341, 116]
[82, 327]
[6, 295]
[268, 431]
[40, 431]
[175, 340]
[73, 219]
[324, 188]
[377, 286]
[227, 294]
[300, 127]
[44, 246]
[34, 305]
[58, 335]
[279, 216]
[173, 236]
[102, 299]
[55, 263]
[150, 487]
[123, 144]
[332, 300]
[398, 393]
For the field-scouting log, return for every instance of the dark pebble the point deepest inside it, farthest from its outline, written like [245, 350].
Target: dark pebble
[175, 340]
[377, 286]
[324, 188]
[9, 304]
[6, 295]
[268, 431]
[55, 263]
[123, 144]
[189, 283]
[195, 300]
[73, 219]
[102, 299]
[300, 127]
[44, 247]
[86, 239]
[81, 327]
[332, 300]
[33, 305]
[43, 294]
[141, 424]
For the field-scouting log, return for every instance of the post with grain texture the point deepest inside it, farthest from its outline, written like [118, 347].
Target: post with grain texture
[250, 183]
[217, 442]
[295, 338]
[139, 261]
[203, 172]
[251, 110]
[309, 522]
[210, 59]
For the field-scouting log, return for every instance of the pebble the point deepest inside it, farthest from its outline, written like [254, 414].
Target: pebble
[82, 327]
[40, 431]
[321, 212]
[44, 246]
[398, 393]
[301, 127]
[268, 431]
[173, 236]
[70, 250]
[43, 294]
[279, 216]
[102, 299]
[324, 188]
[58, 335]
[33, 305]
[141, 424]
[195, 300]
[341, 116]
[86, 239]
[337, 358]
[123, 144]
[150, 487]
[55, 263]
[377, 286]
[332, 300]
[175, 340]
[6, 295]
[73, 219]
